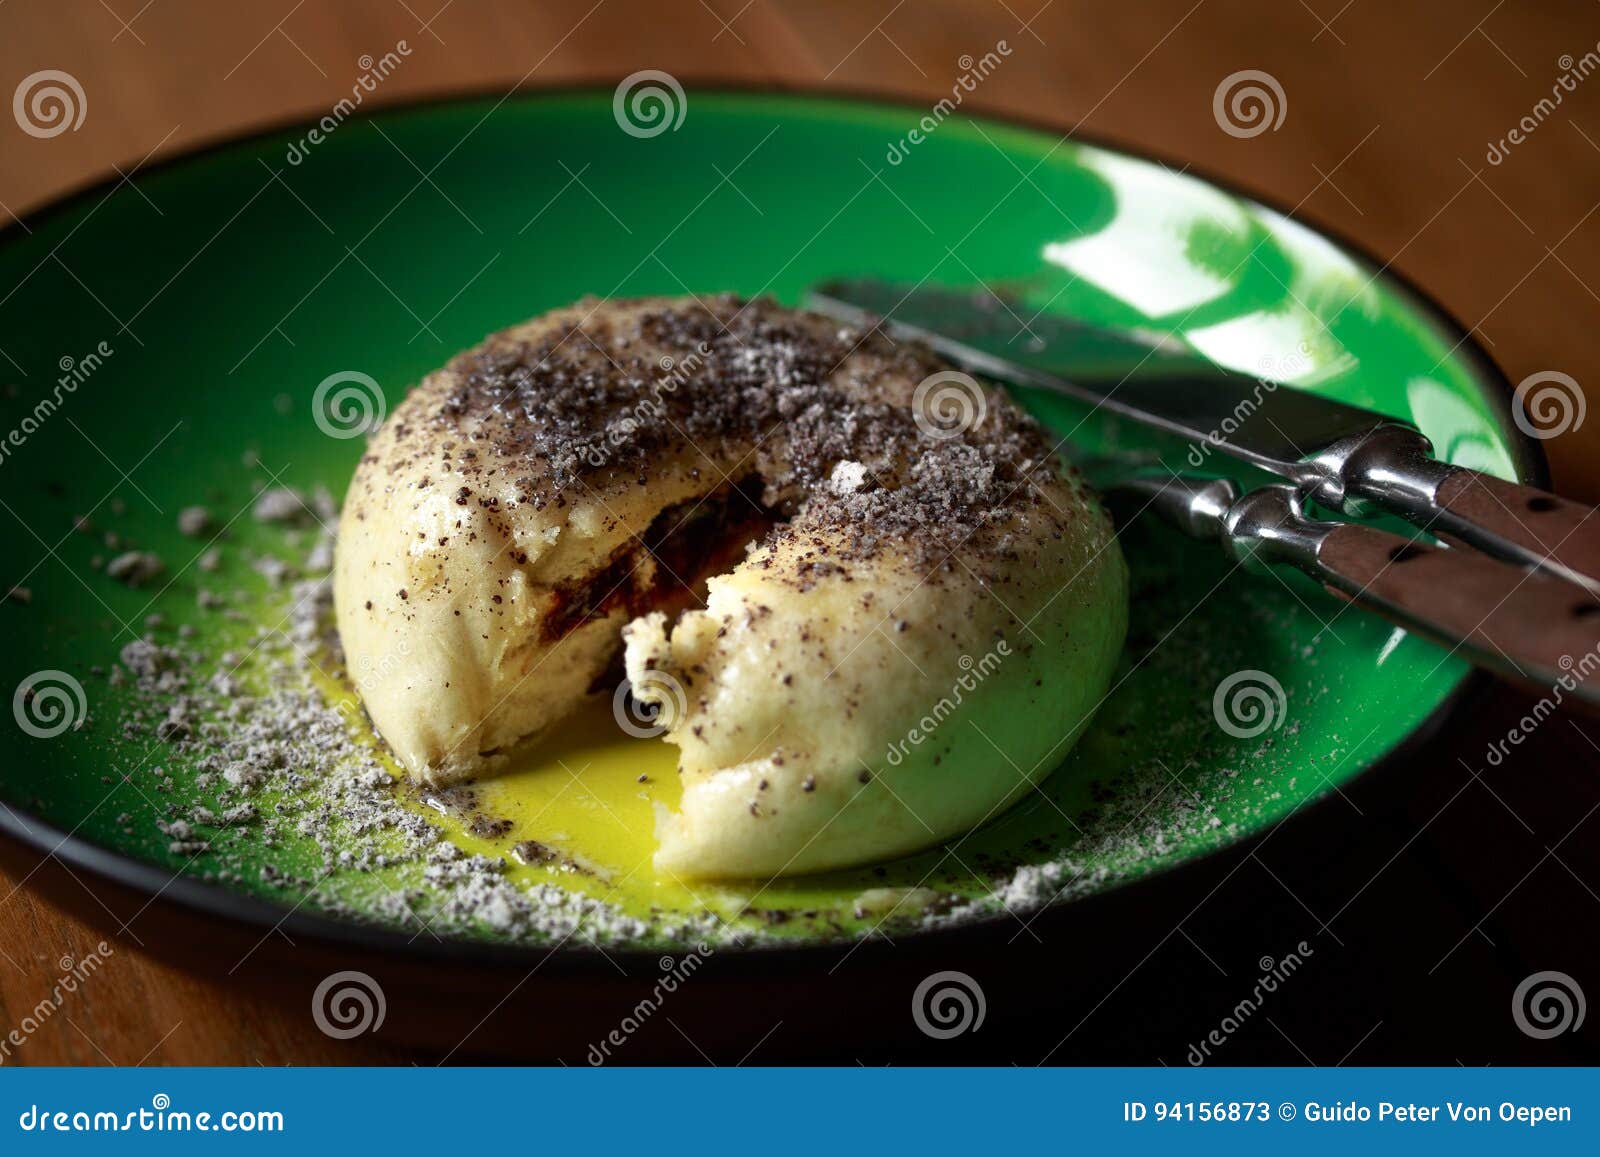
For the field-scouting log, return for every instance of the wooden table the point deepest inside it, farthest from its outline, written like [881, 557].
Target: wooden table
[1391, 109]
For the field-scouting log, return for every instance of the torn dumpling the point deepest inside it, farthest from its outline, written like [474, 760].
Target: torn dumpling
[876, 607]
[821, 729]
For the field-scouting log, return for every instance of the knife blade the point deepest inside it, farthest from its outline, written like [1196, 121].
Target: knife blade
[1344, 457]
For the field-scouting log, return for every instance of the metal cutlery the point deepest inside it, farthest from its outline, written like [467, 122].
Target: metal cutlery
[1525, 626]
[1344, 457]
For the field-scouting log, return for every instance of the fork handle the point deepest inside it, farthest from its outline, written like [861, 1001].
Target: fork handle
[1523, 624]
[1536, 630]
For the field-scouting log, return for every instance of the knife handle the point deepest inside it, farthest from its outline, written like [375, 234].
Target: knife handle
[1392, 468]
[1522, 522]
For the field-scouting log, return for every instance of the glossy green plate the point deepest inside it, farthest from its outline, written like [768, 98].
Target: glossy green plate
[167, 336]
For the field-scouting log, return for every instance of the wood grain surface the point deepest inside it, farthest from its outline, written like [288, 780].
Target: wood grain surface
[1391, 111]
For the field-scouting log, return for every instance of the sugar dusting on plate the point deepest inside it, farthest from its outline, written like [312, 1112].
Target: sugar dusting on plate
[283, 757]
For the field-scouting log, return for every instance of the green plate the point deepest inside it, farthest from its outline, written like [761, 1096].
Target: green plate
[167, 337]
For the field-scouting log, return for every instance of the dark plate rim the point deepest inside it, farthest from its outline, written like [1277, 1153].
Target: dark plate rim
[214, 900]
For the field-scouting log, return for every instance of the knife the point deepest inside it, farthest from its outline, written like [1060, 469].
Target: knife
[1523, 625]
[1344, 457]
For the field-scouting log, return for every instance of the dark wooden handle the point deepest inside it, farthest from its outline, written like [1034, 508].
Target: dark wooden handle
[1526, 625]
[1544, 525]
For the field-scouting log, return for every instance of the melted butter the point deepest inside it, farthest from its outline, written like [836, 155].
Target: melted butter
[578, 795]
